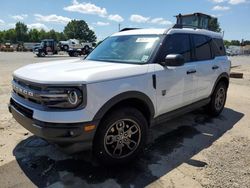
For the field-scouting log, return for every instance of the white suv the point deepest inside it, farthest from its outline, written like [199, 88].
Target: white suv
[133, 80]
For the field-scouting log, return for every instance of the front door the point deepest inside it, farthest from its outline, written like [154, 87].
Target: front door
[175, 85]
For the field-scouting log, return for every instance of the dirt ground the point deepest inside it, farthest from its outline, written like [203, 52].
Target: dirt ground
[194, 150]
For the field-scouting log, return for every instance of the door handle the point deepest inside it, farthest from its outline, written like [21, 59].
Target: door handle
[191, 71]
[215, 67]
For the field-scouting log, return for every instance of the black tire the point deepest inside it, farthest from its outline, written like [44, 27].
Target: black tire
[42, 54]
[116, 142]
[218, 100]
[65, 47]
[70, 54]
[76, 54]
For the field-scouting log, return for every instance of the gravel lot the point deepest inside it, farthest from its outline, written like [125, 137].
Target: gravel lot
[191, 151]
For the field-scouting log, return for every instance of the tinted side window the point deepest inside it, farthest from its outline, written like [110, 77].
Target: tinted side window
[218, 47]
[176, 44]
[202, 47]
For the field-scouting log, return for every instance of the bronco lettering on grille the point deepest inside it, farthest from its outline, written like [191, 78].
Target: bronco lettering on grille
[23, 91]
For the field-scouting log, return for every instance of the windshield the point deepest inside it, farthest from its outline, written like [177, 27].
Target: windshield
[126, 49]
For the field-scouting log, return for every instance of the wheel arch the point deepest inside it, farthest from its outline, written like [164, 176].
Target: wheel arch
[130, 98]
[224, 77]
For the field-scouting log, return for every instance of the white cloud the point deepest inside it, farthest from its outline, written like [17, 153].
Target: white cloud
[52, 18]
[12, 25]
[115, 17]
[19, 17]
[216, 15]
[220, 8]
[2, 22]
[138, 18]
[38, 26]
[86, 8]
[160, 21]
[102, 23]
[141, 19]
[236, 2]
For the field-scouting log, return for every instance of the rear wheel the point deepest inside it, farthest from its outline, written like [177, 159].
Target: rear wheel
[76, 54]
[42, 54]
[218, 100]
[121, 136]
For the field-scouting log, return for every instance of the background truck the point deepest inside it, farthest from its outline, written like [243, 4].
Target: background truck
[73, 44]
[46, 47]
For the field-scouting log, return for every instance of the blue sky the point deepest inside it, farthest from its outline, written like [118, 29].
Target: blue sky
[103, 16]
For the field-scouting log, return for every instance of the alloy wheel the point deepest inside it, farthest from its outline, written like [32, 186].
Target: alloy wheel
[122, 138]
[220, 99]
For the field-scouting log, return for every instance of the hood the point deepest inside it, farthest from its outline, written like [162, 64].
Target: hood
[77, 71]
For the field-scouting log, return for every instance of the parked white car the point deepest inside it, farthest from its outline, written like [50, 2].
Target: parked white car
[133, 80]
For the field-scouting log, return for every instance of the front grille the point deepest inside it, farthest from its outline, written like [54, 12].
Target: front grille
[25, 111]
[47, 96]
[26, 84]
[27, 90]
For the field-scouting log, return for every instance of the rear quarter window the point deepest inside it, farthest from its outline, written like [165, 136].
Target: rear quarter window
[218, 47]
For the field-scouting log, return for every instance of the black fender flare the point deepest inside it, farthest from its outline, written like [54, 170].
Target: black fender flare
[121, 97]
[222, 75]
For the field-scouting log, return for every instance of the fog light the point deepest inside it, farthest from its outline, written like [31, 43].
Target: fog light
[71, 133]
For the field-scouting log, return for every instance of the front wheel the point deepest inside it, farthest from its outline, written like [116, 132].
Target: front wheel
[218, 100]
[121, 136]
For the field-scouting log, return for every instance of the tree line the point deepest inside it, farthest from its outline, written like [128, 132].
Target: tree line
[236, 43]
[77, 29]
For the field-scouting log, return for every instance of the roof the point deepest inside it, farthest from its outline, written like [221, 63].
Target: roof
[169, 31]
[141, 32]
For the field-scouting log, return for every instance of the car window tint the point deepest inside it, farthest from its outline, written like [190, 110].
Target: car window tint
[218, 47]
[177, 44]
[202, 47]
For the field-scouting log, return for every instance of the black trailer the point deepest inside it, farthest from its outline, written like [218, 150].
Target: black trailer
[75, 52]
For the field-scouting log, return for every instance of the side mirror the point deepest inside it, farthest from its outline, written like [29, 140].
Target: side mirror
[174, 60]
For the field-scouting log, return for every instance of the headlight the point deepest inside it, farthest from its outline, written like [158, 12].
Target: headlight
[68, 97]
[73, 97]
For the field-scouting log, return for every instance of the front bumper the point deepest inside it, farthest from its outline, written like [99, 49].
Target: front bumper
[70, 135]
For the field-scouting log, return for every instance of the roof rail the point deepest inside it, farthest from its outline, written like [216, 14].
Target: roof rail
[127, 29]
[180, 26]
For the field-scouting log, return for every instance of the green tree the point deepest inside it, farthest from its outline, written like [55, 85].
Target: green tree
[52, 34]
[42, 34]
[1, 36]
[60, 36]
[247, 42]
[214, 25]
[21, 32]
[10, 36]
[227, 43]
[34, 35]
[78, 29]
[235, 42]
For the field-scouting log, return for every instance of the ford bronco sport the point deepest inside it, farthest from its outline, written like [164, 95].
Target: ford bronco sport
[133, 80]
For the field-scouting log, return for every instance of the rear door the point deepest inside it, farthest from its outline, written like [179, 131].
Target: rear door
[207, 64]
[204, 65]
[175, 85]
